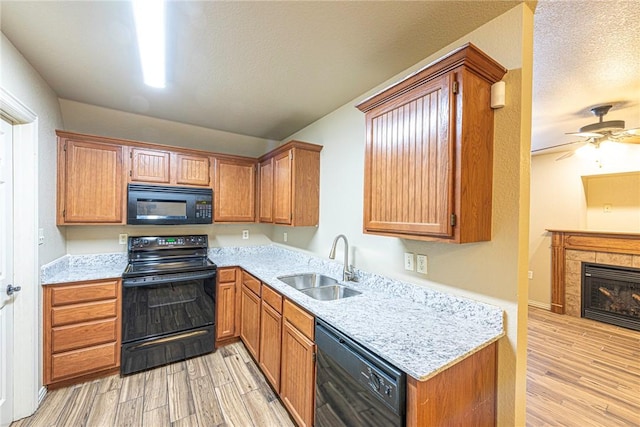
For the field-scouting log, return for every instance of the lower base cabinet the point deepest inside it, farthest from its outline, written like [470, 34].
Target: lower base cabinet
[81, 329]
[271, 336]
[298, 372]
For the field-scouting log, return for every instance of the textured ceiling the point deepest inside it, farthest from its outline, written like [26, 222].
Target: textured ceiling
[585, 53]
[264, 69]
[268, 69]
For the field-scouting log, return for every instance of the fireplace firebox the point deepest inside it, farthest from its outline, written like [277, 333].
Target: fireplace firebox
[611, 294]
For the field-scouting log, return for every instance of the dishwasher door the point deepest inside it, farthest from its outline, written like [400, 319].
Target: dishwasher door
[354, 387]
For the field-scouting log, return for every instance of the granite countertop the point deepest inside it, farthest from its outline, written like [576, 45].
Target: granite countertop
[419, 330]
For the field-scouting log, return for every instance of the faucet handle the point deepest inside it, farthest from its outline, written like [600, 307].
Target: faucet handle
[351, 274]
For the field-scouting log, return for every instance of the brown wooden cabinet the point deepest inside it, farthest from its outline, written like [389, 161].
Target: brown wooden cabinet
[265, 198]
[297, 376]
[168, 167]
[294, 195]
[234, 194]
[90, 181]
[81, 329]
[192, 169]
[271, 336]
[250, 314]
[150, 166]
[227, 297]
[429, 152]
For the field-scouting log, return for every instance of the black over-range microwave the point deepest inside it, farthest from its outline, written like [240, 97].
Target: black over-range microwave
[161, 205]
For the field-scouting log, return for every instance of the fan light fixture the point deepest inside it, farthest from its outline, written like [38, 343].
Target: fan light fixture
[149, 16]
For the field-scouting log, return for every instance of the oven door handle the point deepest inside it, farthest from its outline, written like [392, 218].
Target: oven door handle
[133, 282]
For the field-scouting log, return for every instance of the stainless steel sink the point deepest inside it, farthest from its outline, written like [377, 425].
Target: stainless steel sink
[330, 293]
[307, 280]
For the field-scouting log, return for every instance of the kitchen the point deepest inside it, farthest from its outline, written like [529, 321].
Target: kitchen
[495, 280]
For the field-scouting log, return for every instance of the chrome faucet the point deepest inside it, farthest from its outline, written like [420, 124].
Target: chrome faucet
[347, 273]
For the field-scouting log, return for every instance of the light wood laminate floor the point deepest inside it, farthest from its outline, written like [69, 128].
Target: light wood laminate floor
[224, 388]
[581, 372]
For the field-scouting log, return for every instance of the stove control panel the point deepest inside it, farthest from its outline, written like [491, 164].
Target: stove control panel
[159, 242]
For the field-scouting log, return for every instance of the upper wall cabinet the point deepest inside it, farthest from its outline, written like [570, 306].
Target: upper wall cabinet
[290, 185]
[168, 167]
[429, 152]
[235, 189]
[90, 181]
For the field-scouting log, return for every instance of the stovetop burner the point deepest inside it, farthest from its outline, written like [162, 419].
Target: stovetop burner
[154, 255]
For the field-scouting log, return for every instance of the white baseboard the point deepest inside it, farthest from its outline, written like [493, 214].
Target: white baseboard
[538, 304]
[41, 394]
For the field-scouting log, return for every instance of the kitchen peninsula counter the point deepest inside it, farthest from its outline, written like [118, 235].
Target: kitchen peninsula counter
[420, 330]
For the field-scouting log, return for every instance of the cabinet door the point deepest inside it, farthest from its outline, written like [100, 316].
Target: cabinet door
[234, 190]
[409, 162]
[192, 170]
[150, 166]
[282, 213]
[250, 322]
[265, 205]
[270, 344]
[297, 386]
[226, 310]
[92, 178]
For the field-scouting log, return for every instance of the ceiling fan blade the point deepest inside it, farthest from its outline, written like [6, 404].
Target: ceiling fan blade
[566, 155]
[630, 139]
[539, 150]
[586, 134]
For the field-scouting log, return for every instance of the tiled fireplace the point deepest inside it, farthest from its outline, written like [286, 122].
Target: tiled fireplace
[572, 251]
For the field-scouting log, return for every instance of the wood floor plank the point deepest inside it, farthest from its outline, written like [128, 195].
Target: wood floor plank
[132, 386]
[205, 401]
[112, 382]
[190, 421]
[155, 389]
[50, 409]
[196, 367]
[157, 417]
[233, 409]
[79, 404]
[242, 376]
[103, 411]
[260, 410]
[129, 413]
[581, 372]
[179, 395]
[218, 369]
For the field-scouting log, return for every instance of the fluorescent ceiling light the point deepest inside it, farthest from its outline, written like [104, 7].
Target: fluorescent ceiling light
[150, 23]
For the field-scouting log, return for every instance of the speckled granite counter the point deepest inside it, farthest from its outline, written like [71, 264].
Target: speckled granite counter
[419, 330]
[75, 268]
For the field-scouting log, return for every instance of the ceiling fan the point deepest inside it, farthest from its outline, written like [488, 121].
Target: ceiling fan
[599, 132]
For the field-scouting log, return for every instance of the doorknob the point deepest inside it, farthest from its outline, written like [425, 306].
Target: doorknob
[13, 289]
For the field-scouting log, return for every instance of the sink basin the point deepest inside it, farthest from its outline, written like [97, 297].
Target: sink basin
[307, 280]
[330, 293]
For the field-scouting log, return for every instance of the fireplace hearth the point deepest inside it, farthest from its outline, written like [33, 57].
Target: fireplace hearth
[611, 294]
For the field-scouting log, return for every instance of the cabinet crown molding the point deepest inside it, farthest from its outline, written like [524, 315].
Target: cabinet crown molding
[468, 56]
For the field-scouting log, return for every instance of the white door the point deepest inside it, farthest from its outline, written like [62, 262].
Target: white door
[6, 274]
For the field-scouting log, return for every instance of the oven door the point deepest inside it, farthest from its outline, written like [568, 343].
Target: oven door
[166, 319]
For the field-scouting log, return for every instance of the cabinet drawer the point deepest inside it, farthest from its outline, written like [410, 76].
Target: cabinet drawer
[299, 318]
[251, 283]
[83, 312]
[83, 292]
[226, 275]
[272, 298]
[66, 338]
[84, 361]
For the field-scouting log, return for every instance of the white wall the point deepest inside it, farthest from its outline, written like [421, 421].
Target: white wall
[494, 271]
[559, 202]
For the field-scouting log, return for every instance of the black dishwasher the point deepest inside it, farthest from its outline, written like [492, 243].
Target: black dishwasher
[355, 387]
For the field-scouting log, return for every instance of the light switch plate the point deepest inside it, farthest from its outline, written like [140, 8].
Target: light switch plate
[40, 236]
[408, 261]
[122, 239]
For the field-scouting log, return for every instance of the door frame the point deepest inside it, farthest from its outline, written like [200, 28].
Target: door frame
[26, 312]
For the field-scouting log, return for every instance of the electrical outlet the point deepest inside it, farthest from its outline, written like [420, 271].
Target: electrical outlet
[40, 236]
[122, 239]
[421, 264]
[607, 208]
[284, 236]
[408, 261]
[245, 234]
[530, 274]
